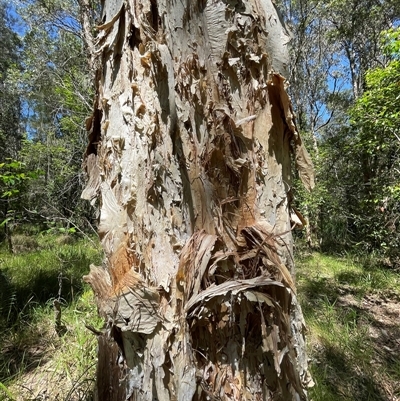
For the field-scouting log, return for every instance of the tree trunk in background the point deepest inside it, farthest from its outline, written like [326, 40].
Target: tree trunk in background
[190, 157]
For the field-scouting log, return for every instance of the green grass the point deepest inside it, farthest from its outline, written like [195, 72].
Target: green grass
[346, 303]
[341, 299]
[36, 358]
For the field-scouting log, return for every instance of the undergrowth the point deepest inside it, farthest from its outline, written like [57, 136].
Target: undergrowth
[350, 304]
[38, 358]
[351, 308]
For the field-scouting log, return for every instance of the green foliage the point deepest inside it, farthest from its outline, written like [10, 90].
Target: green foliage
[391, 43]
[355, 204]
[375, 119]
[13, 178]
[10, 102]
[49, 76]
[335, 43]
[14, 183]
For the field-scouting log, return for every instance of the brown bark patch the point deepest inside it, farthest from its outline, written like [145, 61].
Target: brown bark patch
[122, 263]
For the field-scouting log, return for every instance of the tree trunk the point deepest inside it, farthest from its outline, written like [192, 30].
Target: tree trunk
[190, 157]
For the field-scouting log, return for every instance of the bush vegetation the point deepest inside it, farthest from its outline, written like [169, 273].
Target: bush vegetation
[38, 357]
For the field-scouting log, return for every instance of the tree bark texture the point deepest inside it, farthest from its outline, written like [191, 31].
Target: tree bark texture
[191, 146]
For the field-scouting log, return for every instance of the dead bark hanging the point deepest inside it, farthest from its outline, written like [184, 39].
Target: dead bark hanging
[190, 156]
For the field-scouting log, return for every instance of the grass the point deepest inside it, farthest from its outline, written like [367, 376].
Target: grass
[37, 358]
[350, 307]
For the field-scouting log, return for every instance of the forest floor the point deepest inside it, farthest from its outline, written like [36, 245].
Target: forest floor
[351, 307]
[40, 360]
[352, 310]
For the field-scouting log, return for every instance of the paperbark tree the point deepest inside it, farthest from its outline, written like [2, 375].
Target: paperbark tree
[191, 143]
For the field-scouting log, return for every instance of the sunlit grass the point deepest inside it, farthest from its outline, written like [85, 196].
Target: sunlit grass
[37, 358]
[362, 275]
[346, 362]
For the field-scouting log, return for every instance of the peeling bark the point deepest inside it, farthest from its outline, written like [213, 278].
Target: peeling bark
[191, 144]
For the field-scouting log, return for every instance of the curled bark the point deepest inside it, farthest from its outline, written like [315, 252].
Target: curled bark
[190, 157]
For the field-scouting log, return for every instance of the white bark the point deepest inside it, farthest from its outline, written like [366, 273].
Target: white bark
[190, 156]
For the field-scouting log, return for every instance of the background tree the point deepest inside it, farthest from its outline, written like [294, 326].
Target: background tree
[10, 104]
[54, 89]
[375, 123]
[190, 155]
[334, 45]
[12, 173]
